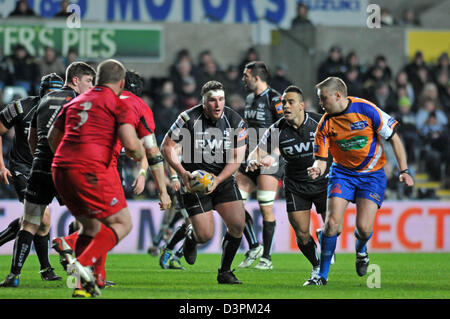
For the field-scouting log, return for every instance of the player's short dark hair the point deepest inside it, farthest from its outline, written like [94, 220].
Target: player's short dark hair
[50, 81]
[110, 71]
[134, 82]
[258, 68]
[332, 84]
[211, 85]
[295, 89]
[78, 69]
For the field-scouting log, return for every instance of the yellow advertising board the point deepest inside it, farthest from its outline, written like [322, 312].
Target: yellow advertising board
[431, 43]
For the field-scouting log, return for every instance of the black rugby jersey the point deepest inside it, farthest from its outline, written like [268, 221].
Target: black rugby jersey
[46, 113]
[296, 146]
[208, 144]
[261, 111]
[20, 153]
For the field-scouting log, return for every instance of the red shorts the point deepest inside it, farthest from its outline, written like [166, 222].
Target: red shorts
[90, 194]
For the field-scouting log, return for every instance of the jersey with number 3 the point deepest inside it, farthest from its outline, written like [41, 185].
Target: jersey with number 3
[90, 124]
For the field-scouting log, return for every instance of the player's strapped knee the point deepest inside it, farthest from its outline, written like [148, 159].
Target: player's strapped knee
[156, 161]
[265, 198]
[244, 194]
[33, 213]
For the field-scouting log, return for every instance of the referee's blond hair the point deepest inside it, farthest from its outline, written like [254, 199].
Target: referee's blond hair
[333, 84]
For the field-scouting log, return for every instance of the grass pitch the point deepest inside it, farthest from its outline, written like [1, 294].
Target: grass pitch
[402, 276]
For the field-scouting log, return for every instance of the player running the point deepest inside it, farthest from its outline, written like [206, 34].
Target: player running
[208, 135]
[292, 137]
[18, 115]
[40, 188]
[263, 108]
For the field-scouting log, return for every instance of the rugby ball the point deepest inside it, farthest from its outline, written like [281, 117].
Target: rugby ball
[201, 182]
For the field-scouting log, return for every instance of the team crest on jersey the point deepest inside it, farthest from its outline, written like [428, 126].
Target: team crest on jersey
[358, 125]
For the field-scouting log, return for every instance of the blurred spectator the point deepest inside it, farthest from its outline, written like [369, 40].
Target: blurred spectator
[384, 98]
[22, 70]
[408, 19]
[302, 16]
[353, 82]
[443, 65]
[352, 62]
[334, 65]
[211, 72]
[72, 56]
[401, 80]
[278, 81]
[424, 112]
[413, 67]
[50, 63]
[443, 87]
[435, 135]
[250, 55]
[420, 80]
[236, 102]
[373, 77]
[22, 9]
[206, 57]
[182, 68]
[188, 96]
[386, 18]
[232, 82]
[429, 92]
[165, 114]
[380, 62]
[407, 128]
[63, 9]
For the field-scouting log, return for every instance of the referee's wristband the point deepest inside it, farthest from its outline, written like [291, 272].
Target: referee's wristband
[405, 171]
[143, 172]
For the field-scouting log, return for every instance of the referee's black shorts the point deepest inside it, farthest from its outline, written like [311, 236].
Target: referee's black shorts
[301, 196]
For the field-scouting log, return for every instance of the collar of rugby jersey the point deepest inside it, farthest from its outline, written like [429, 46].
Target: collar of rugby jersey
[345, 110]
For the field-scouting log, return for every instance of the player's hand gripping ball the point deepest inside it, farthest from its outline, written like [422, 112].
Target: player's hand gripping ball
[202, 181]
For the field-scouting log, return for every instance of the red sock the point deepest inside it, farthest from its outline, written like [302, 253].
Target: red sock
[104, 241]
[99, 270]
[71, 240]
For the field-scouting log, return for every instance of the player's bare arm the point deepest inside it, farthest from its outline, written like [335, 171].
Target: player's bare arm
[4, 172]
[139, 182]
[169, 150]
[133, 147]
[317, 169]
[400, 155]
[54, 137]
[156, 162]
[32, 139]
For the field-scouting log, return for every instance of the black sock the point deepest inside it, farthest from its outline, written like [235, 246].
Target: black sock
[268, 232]
[176, 217]
[179, 252]
[177, 236]
[73, 227]
[230, 246]
[309, 250]
[41, 247]
[22, 247]
[10, 232]
[249, 231]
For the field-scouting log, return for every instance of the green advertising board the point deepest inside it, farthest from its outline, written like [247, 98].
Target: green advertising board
[93, 41]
